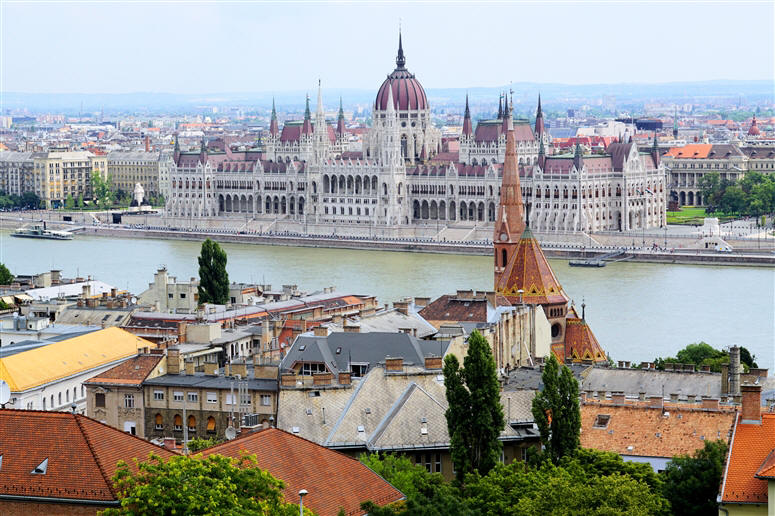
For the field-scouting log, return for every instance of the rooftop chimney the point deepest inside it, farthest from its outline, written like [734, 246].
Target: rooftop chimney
[394, 364]
[239, 368]
[173, 360]
[322, 378]
[734, 370]
[656, 402]
[617, 397]
[752, 404]
[710, 403]
[321, 331]
[433, 362]
[402, 306]
[345, 378]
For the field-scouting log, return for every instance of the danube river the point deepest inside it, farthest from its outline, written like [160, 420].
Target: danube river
[638, 311]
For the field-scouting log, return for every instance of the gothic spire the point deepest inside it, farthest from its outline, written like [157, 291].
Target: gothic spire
[500, 106]
[539, 127]
[539, 113]
[273, 129]
[307, 115]
[319, 112]
[341, 110]
[467, 128]
[400, 59]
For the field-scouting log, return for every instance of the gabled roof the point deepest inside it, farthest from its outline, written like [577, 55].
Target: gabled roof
[82, 455]
[59, 360]
[749, 454]
[129, 372]
[332, 479]
[453, 308]
[651, 432]
[529, 270]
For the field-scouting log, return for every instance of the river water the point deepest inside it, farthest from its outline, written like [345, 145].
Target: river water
[638, 311]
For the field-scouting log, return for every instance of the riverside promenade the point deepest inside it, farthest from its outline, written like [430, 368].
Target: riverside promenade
[651, 248]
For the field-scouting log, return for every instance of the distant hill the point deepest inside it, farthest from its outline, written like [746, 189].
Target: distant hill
[524, 92]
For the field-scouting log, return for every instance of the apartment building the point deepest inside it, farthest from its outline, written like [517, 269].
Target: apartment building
[207, 403]
[149, 169]
[59, 175]
[16, 172]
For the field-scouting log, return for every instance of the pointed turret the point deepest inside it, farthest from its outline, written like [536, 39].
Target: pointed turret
[340, 119]
[176, 152]
[655, 150]
[539, 128]
[675, 123]
[274, 130]
[500, 106]
[467, 127]
[541, 154]
[319, 113]
[306, 128]
[578, 157]
[508, 124]
[754, 129]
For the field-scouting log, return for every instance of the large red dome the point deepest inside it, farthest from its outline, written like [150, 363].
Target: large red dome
[408, 93]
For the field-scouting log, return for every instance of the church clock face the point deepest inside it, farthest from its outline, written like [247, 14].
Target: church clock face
[504, 237]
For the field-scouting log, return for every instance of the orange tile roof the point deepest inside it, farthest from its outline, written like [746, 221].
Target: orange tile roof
[129, 372]
[751, 448]
[768, 468]
[645, 431]
[580, 342]
[82, 455]
[332, 479]
[694, 150]
[529, 270]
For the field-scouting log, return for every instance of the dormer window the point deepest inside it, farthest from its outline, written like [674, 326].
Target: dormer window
[41, 468]
[602, 420]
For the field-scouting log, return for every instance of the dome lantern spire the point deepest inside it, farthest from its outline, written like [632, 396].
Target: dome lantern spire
[400, 59]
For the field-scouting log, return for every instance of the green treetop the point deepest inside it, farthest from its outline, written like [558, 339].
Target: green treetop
[6, 278]
[556, 411]
[475, 415]
[213, 278]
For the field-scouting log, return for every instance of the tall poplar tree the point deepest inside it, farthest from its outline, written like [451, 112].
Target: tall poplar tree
[213, 278]
[475, 415]
[556, 411]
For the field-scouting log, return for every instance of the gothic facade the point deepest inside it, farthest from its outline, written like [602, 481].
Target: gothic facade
[400, 178]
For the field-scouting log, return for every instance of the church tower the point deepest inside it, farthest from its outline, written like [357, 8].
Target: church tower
[320, 141]
[509, 223]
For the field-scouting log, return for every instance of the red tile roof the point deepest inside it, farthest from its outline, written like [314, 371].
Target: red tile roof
[580, 342]
[452, 308]
[646, 432]
[749, 454]
[82, 455]
[129, 372]
[332, 479]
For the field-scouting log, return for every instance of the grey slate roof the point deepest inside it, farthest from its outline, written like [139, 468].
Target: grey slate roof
[202, 381]
[652, 382]
[385, 411]
[340, 349]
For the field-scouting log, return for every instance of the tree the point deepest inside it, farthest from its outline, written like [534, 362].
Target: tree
[475, 415]
[426, 493]
[556, 411]
[196, 445]
[6, 278]
[196, 485]
[691, 483]
[80, 201]
[568, 489]
[709, 186]
[69, 202]
[213, 278]
[102, 189]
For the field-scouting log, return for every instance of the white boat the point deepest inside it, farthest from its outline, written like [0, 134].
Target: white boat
[40, 231]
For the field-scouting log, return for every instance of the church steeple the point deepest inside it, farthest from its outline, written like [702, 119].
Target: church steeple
[539, 127]
[675, 123]
[509, 224]
[578, 157]
[306, 128]
[500, 107]
[340, 119]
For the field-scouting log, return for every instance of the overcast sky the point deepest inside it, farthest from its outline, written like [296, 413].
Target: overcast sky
[183, 47]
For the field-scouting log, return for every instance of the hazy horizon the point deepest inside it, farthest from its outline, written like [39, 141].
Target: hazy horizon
[243, 48]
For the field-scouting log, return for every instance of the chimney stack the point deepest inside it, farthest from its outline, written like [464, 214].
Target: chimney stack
[394, 364]
[710, 403]
[752, 404]
[173, 360]
[433, 362]
[617, 397]
[734, 370]
[321, 331]
[656, 402]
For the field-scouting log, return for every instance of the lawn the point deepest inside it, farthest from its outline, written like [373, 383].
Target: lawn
[694, 215]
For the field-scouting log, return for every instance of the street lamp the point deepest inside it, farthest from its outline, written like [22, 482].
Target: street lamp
[302, 493]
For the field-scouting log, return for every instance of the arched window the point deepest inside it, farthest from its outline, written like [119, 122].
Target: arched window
[191, 424]
[178, 427]
[504, 255]
[159, 422]
[211, 424]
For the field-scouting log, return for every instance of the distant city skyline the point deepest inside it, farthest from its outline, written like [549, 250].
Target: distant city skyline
[199, 48]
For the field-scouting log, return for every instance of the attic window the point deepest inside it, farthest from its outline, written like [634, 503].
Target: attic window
[295, 429]
[424, 431]
[361, 429]
[314, 394]
[367, 410]
[41, 468]
[339, 350]
[302, 347]
[309, 412]
[601, 421]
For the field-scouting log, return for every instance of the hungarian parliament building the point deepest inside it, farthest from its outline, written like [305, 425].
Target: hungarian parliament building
[304, 172]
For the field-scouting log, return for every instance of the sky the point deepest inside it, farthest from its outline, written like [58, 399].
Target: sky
[227, 47]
